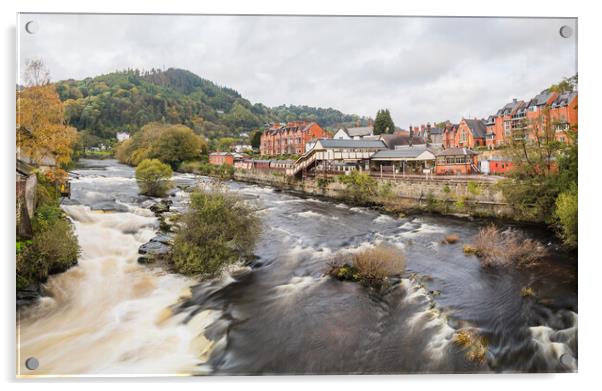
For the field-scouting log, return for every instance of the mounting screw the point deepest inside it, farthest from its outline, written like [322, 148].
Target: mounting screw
[31, 27]
[566, 31]
[32, 363]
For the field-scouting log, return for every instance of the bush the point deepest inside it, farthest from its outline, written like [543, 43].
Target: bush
[474, 344]
[153, 177]
[177, 143]
[223, 171]
[566, 211]
[372, 267]
[53, 248]
[169, 143]
[474, 188]
[527, 292]
[217, 230]
[468, 249]
[451, 239]
[502, 248]
[360, 185]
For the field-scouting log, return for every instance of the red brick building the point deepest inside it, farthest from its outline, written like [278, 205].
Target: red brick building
[456, 161]
[289, 139]
[499, 126]
[563, 115]
[496, 165]
[449, 135]
[530, 119]
[468, 134]
[219, 158]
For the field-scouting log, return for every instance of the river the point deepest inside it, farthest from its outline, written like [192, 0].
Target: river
[282, 315]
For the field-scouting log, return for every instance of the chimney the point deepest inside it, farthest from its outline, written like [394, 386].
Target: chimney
[411, 136]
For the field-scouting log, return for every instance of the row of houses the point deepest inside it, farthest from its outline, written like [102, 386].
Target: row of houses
[518, 118]
[290, 138]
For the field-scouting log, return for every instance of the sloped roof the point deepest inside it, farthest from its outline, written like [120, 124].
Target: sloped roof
[337, 143]
[397, 140]
[436, 130]
[564, 99]
[509, 107]
[477, 127]
[286, 127]
[359, 132]
[541, 98]
[456, 152]
[402, 153]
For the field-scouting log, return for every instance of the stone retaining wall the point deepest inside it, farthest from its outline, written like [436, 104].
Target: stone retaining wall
[447, 196]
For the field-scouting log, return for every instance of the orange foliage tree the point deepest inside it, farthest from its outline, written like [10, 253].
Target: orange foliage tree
[42, 133]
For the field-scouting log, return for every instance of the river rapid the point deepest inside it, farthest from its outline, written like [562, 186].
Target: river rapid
[282, 315]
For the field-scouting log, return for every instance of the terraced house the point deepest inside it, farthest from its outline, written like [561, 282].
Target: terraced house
[563, 115]
[499, 125]
[290, 139]
[528, 120]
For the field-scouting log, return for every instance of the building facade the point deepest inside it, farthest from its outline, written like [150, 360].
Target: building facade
[529, 120]
[219, 158]
[354, 133]
[456, 161]
[290, 139]
[469, 133]
[500, 125]
[563, 115]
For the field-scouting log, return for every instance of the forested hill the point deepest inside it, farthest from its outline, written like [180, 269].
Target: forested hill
[126, 100]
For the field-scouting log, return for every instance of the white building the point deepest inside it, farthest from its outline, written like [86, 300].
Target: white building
[354, 133]
[122, 136]
[241, 148]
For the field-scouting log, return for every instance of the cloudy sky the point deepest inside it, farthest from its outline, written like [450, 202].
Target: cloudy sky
[422, 69]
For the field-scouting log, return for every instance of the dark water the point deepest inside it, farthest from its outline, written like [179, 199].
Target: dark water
[284, 316]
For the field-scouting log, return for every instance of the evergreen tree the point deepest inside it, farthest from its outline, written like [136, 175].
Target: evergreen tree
[383, 122]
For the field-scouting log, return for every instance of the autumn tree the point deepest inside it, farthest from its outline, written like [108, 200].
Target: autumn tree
[171, 144]
[176, 144]
[41, 130]
[543, 182]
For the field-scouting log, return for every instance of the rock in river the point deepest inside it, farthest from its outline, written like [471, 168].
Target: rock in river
[157, 247]
[161, 207]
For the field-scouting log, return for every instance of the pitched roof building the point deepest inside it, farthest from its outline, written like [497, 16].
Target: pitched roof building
[356, 133]
[289, 139]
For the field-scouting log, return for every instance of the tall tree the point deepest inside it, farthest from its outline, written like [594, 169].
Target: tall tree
[383, 122]
[42, 133]
[543, 170]
[256, 139]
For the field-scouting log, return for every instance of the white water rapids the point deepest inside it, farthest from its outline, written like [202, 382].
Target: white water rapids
[110, 315]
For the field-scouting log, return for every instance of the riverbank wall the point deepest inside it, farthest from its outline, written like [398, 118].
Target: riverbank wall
[447, 196]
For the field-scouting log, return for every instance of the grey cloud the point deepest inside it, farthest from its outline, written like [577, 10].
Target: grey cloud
[422, 69]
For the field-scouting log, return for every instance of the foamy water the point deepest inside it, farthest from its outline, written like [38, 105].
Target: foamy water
[110, 315]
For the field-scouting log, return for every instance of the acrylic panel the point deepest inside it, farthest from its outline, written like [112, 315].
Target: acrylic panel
[295, 195]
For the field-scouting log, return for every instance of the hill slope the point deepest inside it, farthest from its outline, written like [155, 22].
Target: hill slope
[126, 100]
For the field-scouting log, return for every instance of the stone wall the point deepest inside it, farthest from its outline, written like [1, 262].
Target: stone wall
[447, 196]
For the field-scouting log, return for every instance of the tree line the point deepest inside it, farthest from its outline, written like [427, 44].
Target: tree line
[124, 101]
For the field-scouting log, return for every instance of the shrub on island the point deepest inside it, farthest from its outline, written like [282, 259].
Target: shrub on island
[218, 230]
[153, 177]
[372, 267]
[494, 247]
